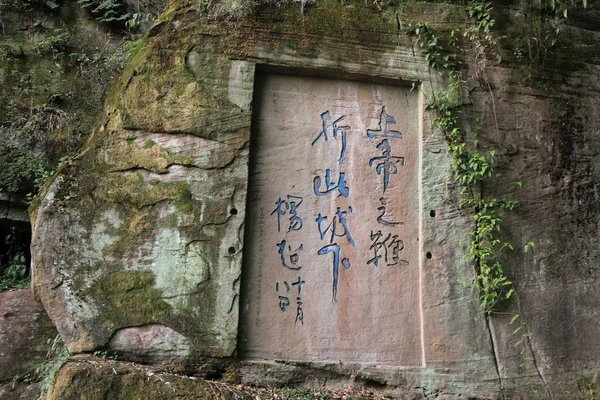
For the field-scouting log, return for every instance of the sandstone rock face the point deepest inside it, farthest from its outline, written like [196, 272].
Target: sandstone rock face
[138, 242]
[20, 391]
[333, 235]
[24, 332]
[146, 228]
[102, 380]
[150, 343]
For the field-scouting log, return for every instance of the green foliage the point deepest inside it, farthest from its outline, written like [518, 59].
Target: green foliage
[480, 34]
[104, 11]
[50, 4]
[109, 11]
[56, 356]
[559, 6]
[12, 52]
[14, 271]
[133, 21]
[204, 6]
[20, 169]
[480, 12]
[30, 125]
[471, 167]
[25, 169]
[55, 81]
[528, 246]
[27, 5]
[116, 60]
[522, 335]
[484, 249]
[589, 387]
[432, 49]
[55, 44]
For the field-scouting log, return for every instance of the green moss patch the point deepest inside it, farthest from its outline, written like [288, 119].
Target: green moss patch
[129, 298]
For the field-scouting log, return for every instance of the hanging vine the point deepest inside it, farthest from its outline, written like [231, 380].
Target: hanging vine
[471, 167]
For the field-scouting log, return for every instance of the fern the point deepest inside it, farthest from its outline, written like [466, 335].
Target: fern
[106, 11]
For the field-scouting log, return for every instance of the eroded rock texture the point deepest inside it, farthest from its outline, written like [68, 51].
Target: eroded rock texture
[101, 380]
[143, 232]
[24, 333]
[150, 343]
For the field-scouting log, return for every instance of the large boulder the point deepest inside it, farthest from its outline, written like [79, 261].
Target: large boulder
[143, 230]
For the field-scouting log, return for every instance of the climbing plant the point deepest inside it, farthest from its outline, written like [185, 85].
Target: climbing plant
[471, 166]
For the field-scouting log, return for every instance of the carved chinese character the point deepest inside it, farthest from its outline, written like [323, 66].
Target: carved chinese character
[389, 249]
[291, 207]
[336, 130]
[333, 227]
[293, 258]
[388, 163]
[331, 186]
[387, 120]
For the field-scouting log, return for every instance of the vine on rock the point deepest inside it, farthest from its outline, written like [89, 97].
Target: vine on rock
[472, 166]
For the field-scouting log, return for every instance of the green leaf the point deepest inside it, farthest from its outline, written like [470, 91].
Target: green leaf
[527, 246]
[517, 330]
[514, 318]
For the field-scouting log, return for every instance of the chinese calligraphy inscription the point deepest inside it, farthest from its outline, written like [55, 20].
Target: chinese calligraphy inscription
[334, 167]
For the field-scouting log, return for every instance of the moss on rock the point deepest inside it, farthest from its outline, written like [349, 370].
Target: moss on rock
[104, 380]
[133, 291]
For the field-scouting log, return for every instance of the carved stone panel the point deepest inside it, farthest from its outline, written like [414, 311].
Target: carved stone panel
[332, 254]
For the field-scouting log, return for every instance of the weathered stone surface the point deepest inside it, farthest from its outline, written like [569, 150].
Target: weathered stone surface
[24, 333]
[150, 343]
[113, 380]
[91, 378]
[332, 243]
[146, 226]
[13, 209]
[393, 383]
[20, 391]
